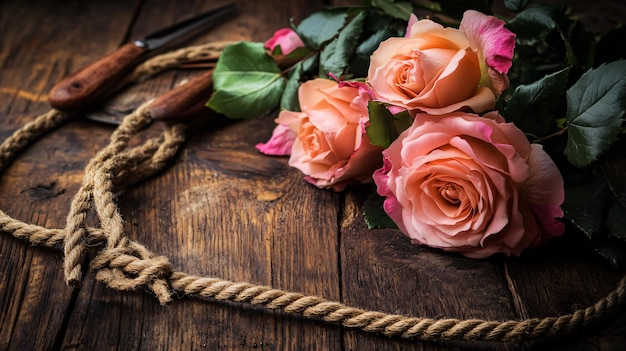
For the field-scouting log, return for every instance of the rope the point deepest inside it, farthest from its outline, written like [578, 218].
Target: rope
[314, 307]
[150, 67]
[124, 264]
[74, 248]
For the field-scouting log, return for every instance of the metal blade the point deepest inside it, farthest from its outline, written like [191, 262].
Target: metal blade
[187, 28]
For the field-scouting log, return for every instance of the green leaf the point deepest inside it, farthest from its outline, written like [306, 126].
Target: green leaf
[401, 9]
[361, 59]
[374, 214]
[611, 202]
[616, 221]
[582, 45]
[586, 206]
[612, 251]
[610, 48]
[515, 5]
[384, 126]
[289, 100]
[311, 64]
[243, 56]
[321, 27]
[334, 57]
[533, 24]
[247, 82]
[614, 172]
[531, 106]
[375, 21]
[595, 107]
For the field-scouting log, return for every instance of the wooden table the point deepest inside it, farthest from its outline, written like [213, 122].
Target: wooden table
[222, 209]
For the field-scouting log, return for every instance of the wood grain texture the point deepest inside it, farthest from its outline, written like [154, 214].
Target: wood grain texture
[222, 209]
[37, 187]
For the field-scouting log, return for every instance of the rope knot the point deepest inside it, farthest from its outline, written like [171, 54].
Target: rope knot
[129, 266]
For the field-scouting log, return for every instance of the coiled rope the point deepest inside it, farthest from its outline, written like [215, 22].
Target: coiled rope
[124, 264]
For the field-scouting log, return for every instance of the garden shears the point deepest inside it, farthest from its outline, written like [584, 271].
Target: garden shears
[95, 82]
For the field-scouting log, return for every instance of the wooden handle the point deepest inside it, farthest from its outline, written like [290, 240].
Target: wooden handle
[91, 82]
[184, 100]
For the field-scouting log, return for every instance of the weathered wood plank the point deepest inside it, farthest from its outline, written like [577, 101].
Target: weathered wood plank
[560, 278]
[38, 39]
[221, 217]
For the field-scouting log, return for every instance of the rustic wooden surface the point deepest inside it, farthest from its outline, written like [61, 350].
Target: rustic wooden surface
[224, 210]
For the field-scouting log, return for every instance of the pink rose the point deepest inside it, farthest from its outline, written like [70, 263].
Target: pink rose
[286, 39]
[330, 146]
[471, 184]
[440, 70]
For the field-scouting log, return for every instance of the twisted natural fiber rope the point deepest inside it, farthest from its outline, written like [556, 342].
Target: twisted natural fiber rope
[124, 264]
[396, 325]
[81, 204]
[206, 52]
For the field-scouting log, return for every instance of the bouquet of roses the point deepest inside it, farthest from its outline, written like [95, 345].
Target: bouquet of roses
[481, 136]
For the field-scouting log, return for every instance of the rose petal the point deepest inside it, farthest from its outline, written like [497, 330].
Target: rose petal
[545, 192]
[391, 206]
[499, 81]
[482, 100]
[494, 42]
[436, 33]
[446, 90]
[410, 23]
[280, 143]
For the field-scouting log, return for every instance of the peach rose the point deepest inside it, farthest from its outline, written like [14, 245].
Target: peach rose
[471, 184]
[330, 145]
[440, 70]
